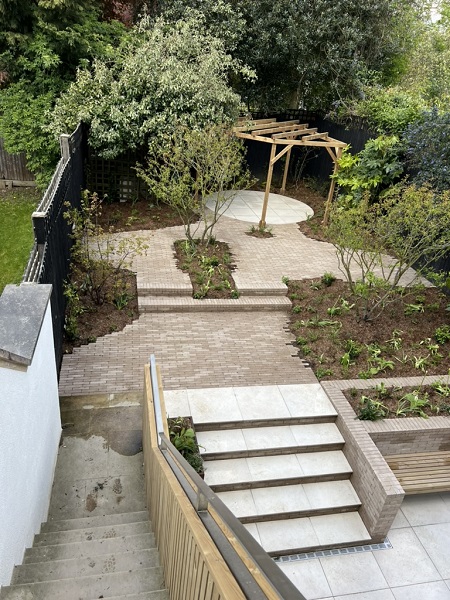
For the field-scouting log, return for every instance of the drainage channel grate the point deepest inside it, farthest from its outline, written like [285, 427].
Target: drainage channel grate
[386, 545]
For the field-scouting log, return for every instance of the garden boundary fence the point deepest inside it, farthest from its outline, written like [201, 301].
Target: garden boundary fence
[13, 169]
[50, 257]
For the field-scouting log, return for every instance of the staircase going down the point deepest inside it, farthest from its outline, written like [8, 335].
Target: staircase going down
[98, 541]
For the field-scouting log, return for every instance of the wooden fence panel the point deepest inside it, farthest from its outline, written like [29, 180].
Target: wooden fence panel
[13, 167]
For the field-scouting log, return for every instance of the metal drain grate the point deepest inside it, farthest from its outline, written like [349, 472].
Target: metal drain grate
[386, 545]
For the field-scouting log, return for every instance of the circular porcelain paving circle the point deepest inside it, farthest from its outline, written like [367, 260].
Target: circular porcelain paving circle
[247, 206]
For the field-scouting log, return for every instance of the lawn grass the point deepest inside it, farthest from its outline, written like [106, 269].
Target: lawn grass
[16, 232]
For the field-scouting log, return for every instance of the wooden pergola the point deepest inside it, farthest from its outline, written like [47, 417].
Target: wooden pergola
[288, 134]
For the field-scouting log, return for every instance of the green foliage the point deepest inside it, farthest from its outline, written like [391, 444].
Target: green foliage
[413, 403]
[328, 279]
[100, 256]
[41, 46]
[371, 410]
[428, 150]
[184, 440]
[369, 172]
[16, 233]
[197, 164]
[442, 334]
[163, 76]
[411, 224]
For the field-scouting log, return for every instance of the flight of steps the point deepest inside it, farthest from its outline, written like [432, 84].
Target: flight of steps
[287, 478]
[110, 556]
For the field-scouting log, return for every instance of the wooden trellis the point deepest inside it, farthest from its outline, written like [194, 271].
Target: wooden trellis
[288, 134]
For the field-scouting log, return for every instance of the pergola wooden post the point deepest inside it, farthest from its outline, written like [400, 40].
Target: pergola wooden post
[288, 134]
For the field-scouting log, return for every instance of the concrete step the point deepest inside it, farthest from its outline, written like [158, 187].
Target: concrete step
[266, 471]
[89, 587]
[269, 441]
[307, 534]
[291, 501]
[51, 538]
[86, 522]
[90, 548]
[184, 304]
[80, 567]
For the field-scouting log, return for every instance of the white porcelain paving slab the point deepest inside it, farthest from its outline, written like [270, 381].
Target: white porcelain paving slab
[376, 595]
[253, 530]
[269, 437]
[406, 562]
[280, 499]
[213, 405]
[325, 494]
[177, 403]
[353, 574]
[434, 538]
[261, 402]
[240, 502]
[340, 528]
[435, 590]
[306, 400]
[247, 206]
[274, 467]
[278, 536]
[232, 470]
[426, 509]
[317, 433]
[226, 440]
[307, 576]
[321, 463]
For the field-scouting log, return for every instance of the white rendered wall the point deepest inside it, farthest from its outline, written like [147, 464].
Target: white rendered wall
[30, 429]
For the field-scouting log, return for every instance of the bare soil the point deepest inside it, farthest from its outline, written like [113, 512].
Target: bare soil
[133, 216]
[395, 344]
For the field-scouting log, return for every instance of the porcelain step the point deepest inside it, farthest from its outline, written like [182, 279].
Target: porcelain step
[253, 423]
[85, 522]
[184, 304]
[51, 538]
[240, 407]
[291, 501]
[269, 441]
[307, 534]
[89, 587]
[255, 472]
[88, 549]
[80, 567]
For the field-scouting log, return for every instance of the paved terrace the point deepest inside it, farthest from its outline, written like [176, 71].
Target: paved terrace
[253, 347]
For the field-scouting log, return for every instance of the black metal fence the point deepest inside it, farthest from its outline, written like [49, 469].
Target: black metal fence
[50, 258]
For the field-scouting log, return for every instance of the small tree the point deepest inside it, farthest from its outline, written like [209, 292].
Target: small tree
[410, 228]
[199, 164]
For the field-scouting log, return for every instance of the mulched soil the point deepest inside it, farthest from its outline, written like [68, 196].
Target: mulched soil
[210, 269]
[133, 216]
[97, 321]
[321, 337]
[390, 397]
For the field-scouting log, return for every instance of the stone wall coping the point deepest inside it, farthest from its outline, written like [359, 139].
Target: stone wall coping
[22, 311]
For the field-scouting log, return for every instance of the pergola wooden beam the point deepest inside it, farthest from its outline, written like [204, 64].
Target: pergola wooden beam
[283, 133]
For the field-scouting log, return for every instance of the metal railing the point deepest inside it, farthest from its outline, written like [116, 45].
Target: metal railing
[254, 570]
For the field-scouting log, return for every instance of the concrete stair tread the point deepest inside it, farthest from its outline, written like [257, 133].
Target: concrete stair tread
[158, 595]
[98, 521]
[51, 538]
[90, 565]
[90, 548]
[269, 440]
[258, 471]
[305, 534]
[89, 587]
[186, 304]
[288, 500]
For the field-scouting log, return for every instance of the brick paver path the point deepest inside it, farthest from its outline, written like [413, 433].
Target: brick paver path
[206, 349]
